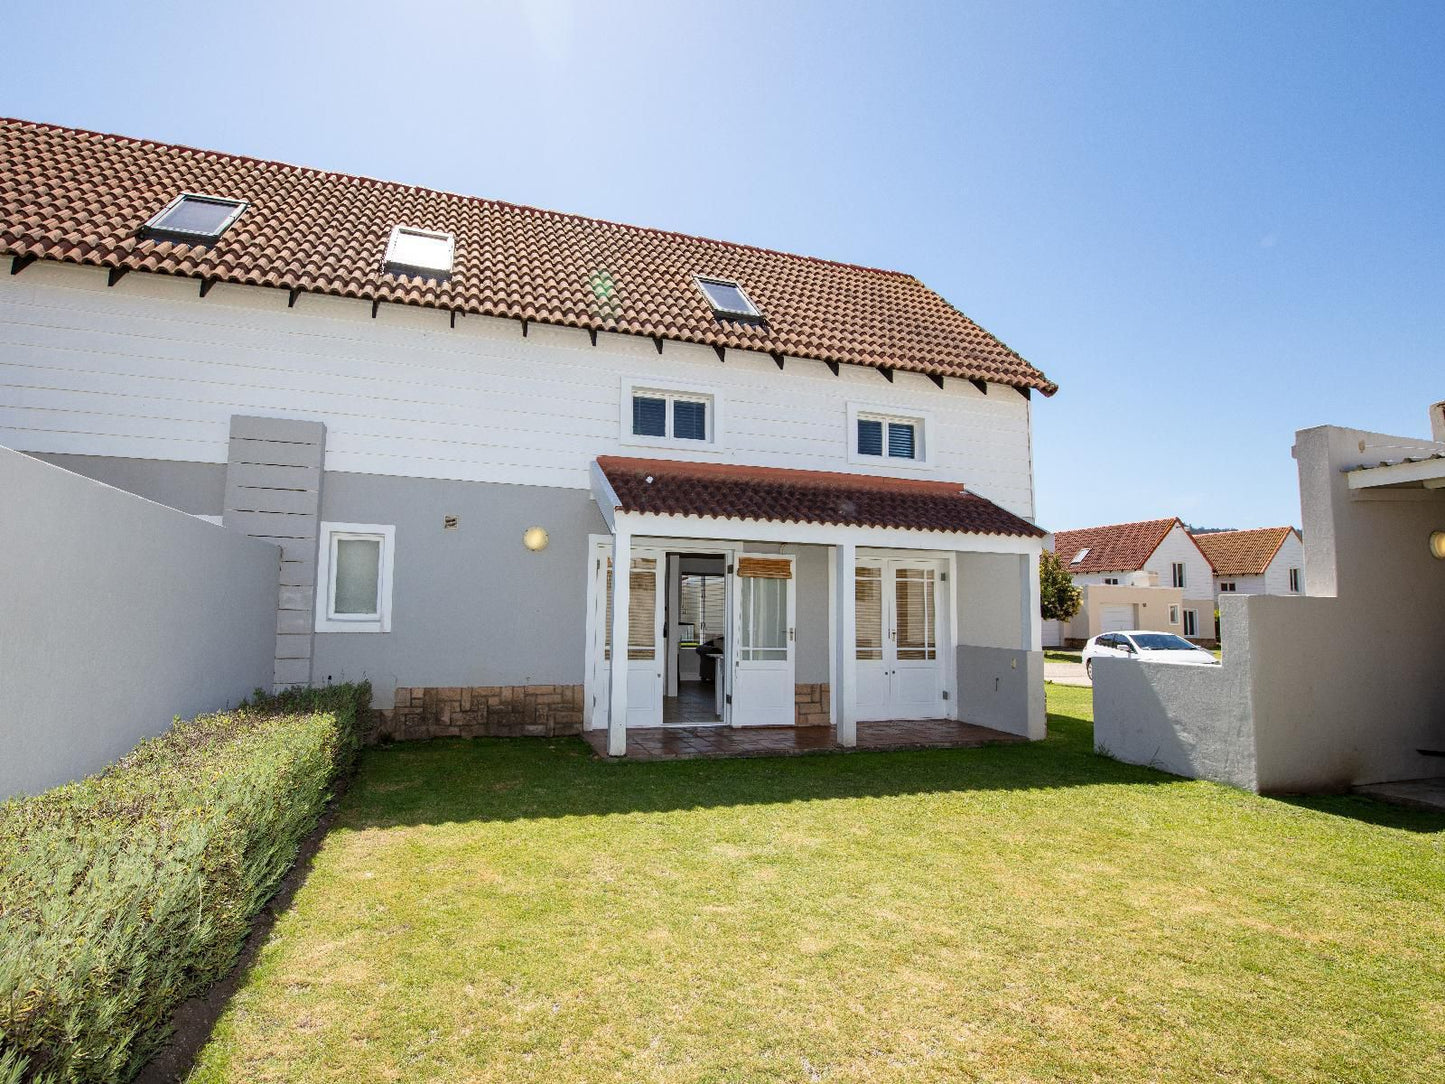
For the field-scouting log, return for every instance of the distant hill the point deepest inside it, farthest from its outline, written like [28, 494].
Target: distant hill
[1207, 530]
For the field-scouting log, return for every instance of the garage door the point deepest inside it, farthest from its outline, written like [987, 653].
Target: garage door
[1053, 633]
[1116, 618]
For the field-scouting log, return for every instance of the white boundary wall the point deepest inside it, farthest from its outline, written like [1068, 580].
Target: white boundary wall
[116, 614]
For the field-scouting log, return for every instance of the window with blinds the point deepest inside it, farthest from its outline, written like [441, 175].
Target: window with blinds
[917, 633]
[895, 438]
[641, 610]
[868, 593]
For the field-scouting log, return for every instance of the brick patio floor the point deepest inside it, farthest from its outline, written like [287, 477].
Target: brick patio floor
[689, 742]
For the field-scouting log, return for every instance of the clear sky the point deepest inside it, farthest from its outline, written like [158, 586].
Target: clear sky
[1212, 224]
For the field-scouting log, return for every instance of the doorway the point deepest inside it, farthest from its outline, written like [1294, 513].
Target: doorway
[900, 654]
[696, 625]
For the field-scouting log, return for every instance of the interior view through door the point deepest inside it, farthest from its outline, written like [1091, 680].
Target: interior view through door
[900, 659]
[696, 622]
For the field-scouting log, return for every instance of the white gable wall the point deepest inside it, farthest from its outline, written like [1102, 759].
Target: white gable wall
[1198, 573]
[1291, 555]
[147, 369]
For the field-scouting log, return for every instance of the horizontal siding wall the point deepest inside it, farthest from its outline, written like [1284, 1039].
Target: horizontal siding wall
[147, 369]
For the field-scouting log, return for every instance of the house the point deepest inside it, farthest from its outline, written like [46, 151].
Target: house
[1262, 561]
[1336, 688]
[458, 417]
[1145, 575]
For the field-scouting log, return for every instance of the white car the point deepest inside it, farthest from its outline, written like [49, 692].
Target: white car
[1145, 646]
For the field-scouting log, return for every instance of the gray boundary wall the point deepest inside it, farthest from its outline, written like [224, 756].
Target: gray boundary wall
[1341, 688]
[116, 614]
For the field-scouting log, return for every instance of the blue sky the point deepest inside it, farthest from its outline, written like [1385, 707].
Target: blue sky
[1212, 224]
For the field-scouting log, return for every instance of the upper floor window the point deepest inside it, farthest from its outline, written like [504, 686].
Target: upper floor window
[897, 439]
[1294, 580]
[1111, 581]
[414, 251]
[667, 416]
[1227, 585]
[1177, 572]
[728, 299]
[203, 218]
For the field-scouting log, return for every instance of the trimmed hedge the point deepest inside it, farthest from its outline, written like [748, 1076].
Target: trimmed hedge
[125, 893]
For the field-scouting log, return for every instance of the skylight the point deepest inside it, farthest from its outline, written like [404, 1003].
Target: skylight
[727, 298]
[419, 251]
[1080, 555]
[195, 216]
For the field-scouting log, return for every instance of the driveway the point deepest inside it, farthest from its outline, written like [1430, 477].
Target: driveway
[1066, 673]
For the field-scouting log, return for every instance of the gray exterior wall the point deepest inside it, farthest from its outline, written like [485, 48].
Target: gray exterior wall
[812, 614]
[197, 488]
[116, 614]
[1002, 688]
[1317, 693]
[472, 606]
[1000, 684]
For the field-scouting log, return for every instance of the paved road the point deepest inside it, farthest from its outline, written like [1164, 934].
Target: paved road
[1066, 673]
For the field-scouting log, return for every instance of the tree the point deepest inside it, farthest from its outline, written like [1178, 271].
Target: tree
[1059, 599]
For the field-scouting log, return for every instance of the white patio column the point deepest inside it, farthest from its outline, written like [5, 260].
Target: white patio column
[1032, 620]
[845, 645]
[617, 683]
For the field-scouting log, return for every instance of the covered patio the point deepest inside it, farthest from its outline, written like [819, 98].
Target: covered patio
[861, 612]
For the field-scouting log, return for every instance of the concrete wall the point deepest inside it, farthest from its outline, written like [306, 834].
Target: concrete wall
[988, 598]
[1317, 693]
[116, 614]
[1195, 721]
[1002, 688]
[812, 613]
[197, 488]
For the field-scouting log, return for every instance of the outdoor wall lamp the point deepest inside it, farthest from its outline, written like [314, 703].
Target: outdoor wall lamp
[1437, 544]
[535, 539]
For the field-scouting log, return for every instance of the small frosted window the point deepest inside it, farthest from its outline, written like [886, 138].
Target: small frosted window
[357, 577]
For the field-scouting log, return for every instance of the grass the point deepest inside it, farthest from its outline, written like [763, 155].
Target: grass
[515, 911]
[1059, 655]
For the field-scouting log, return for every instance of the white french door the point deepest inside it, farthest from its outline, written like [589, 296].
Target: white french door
[901, 659]
[764, 605]
[646, 672]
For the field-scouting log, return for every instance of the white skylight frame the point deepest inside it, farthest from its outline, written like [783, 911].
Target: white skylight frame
[157, 221]
[396, 256]
[1078, 557]
[752, 312]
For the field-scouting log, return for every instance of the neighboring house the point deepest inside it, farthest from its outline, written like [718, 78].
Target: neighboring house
[1339, 687]
[1263, 561]
[1145, 575]
[456, 416]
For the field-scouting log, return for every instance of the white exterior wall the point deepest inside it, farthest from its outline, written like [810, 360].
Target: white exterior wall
[1291, 555]
[147, 369]
[1243, 585]
[1198, 573]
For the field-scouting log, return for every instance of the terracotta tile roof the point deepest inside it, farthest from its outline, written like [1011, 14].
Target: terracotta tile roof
[1242, 553]
[1119, 547]
[723, 491]
[82, 197]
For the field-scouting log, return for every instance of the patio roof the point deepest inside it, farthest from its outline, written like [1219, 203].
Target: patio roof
[721, 491]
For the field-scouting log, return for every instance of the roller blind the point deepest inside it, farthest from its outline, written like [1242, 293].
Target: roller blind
[868, 591]
[641, 610]
[765, 568]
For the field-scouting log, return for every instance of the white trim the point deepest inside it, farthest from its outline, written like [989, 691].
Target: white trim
[238, 207]
[605, 497]
[1392, 474]
[752, 312]
[326, 620]
[670, 391]
[398, 231]
[1175, 614]
[752, 530]
[923, 442]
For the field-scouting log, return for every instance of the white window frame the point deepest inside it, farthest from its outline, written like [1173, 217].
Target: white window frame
[1174, 616]
[238, 207]
[1111, 581]
[326, 618]
[752, 312]
[394, 265]
[670, 392]
[921, 420]
[1177, 574]
[1195, 615]
[1295, 578]
[1228, 587]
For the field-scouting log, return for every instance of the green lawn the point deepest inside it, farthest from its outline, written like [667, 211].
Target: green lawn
[515, 911]
[1059, 655]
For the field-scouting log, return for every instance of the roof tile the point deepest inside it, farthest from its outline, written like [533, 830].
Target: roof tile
[1242, 553]
[724, 491]
[82, 197]
[1118, 547]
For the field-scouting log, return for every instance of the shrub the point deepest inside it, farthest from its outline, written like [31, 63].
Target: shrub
[125, 893]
